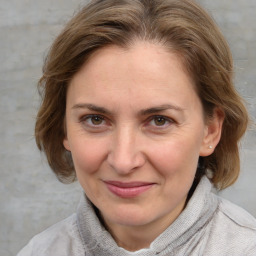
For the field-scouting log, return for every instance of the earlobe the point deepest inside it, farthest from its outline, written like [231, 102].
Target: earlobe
[212, 133]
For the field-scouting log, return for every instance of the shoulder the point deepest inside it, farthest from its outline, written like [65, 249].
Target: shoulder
[60, 239]
[232, 230]
[237, 215]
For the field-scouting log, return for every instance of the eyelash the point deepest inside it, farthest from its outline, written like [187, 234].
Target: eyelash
[87, 120]
[167, 121]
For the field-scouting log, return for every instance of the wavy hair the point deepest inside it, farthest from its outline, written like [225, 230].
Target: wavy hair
[183, 27]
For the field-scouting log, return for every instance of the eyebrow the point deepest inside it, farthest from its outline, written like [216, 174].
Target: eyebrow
[160, 108]
[142, 112]
[91, 107]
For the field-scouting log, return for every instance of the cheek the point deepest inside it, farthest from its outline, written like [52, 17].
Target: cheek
[175, 158]
[88, 156]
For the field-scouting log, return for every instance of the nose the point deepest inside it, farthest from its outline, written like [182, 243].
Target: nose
[125, 155]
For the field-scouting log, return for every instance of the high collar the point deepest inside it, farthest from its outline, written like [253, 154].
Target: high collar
[199, 210]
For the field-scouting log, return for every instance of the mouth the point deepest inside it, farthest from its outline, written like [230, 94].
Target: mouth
[128, 189]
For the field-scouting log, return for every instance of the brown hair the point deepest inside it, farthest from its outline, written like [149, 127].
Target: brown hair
[180, 25]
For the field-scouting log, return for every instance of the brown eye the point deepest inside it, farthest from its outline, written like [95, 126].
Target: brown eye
[159, 121]
[96, 120]
[95, 123]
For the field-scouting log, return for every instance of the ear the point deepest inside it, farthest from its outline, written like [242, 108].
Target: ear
[66, 143]
[65, 140]
[212, 133]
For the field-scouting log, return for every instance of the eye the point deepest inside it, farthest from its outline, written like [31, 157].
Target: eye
[160, 122]
[93, 120]
[96, 120]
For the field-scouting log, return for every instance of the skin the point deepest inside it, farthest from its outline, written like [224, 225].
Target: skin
[133, 115]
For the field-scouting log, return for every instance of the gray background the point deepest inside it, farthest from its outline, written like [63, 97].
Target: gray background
[31, 198]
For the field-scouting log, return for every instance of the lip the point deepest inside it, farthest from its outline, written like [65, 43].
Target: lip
[128, 189]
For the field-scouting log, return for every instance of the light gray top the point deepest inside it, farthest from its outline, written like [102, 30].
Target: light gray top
[208, 226]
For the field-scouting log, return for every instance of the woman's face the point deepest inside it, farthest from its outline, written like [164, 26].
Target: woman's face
[135, 129]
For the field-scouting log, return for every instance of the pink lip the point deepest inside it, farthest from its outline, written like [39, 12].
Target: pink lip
[128, 189]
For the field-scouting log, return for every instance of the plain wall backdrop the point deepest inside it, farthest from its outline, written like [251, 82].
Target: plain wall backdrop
[31, 197]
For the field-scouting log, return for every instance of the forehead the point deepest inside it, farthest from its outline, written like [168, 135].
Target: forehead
[141, 56]
[144, 71]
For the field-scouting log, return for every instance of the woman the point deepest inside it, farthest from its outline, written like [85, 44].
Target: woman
[138, 103]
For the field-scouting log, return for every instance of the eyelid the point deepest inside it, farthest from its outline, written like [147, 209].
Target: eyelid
[167, 119]
[87, 116]
[84, 118]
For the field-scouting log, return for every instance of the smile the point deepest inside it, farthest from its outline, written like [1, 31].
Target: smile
[128, 190]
